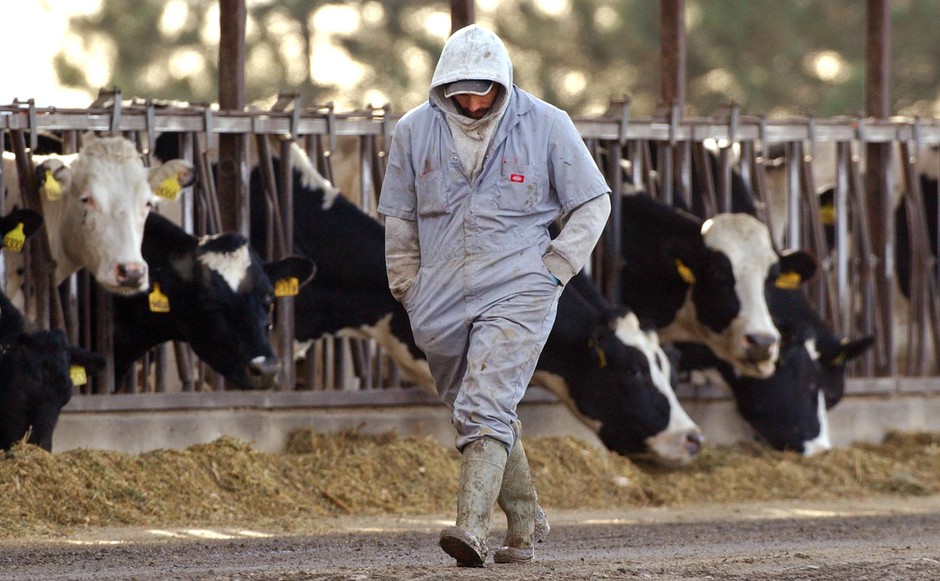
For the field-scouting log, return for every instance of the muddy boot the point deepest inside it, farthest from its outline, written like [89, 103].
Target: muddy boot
[481, 473]
[525, 520]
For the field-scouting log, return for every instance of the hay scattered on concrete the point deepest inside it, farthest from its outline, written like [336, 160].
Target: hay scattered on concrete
[227, 482]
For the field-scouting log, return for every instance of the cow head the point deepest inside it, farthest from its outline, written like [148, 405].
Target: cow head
[102, 197]
[35, 383]
[680, 441]
[788, 409]
[219, 297]
[728, 278]
[616, 378]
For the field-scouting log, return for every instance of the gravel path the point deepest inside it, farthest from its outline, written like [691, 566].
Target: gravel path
[879, 539]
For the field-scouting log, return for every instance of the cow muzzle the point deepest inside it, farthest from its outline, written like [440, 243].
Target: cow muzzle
[264, 372]
[676, 447]
[760, 347]
[131, 276]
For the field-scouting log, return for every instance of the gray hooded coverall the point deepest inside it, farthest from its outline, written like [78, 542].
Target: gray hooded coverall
[467, 242]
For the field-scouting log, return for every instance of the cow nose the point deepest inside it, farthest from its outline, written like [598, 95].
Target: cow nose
[130, 274]
[264, 371]
[693, 443]
[759, 346]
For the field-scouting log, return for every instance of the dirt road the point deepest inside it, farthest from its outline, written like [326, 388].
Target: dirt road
[879, 539]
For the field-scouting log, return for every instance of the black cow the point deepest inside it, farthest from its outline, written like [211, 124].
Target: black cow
[706, 282]
[218, 297]
[35, 383]
[35, 378]
[351, 290]
[788, 409]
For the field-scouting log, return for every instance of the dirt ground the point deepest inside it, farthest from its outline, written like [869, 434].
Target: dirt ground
[878, 538]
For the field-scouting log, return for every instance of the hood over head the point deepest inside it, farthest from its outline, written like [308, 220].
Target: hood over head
[471, 53]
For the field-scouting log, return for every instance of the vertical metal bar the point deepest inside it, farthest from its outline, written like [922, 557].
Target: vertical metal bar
[841, 234]
[794, 153]
[285, 319]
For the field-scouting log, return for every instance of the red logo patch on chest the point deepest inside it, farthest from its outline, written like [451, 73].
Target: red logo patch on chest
[517, 178]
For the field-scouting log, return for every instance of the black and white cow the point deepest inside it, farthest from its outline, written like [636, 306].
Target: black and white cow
[212, 292]
[788, 410]
[35, 367]
[706, 282]
[617, 377]
[641, 415]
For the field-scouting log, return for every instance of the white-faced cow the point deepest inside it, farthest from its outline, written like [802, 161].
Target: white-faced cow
[35, 367]
[351, 290]
[706, 282]
[788, 410]
[212, 292]
[94, 204]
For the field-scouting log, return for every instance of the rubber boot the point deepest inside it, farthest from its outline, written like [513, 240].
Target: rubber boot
[526, 521]
[481, 474]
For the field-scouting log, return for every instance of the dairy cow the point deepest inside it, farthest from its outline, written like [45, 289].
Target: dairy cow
[788, 410]
[36, 381]
[94, 204]
[617, 377]
[706, 282]
[35, 367]
[351, 290]
[212, 292]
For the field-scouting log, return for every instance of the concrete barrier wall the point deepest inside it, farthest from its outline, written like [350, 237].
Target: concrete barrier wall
[138, 423]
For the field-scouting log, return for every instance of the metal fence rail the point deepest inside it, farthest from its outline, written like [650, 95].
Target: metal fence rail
[664, 155]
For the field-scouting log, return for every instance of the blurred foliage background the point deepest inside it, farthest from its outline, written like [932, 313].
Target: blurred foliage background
[770, 57]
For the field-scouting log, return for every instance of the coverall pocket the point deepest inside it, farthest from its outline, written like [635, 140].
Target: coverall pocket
[431, 191]
[519, 188]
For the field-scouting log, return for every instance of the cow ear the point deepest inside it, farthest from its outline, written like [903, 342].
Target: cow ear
[846, 351]
[54, 179]
[796, 267]
[30, 219]
[169, 179]
[91, 361]
[685, 273]
[299, 267]
[827, 207]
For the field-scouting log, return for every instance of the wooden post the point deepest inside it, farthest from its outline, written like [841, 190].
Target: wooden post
[233, 164]
[672, 53]
[461, 14]
[878, 179]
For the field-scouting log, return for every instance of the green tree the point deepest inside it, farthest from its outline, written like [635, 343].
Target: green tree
[770, 57]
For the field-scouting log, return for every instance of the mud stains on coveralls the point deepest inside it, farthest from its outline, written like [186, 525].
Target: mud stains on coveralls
[484, 302]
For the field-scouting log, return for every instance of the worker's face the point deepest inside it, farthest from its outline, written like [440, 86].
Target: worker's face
[477, 106]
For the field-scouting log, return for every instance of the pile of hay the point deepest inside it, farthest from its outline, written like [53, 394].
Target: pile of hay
[227, 482]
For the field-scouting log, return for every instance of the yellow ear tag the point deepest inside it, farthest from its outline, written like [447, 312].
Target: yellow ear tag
[788, 280]
[52, 187]
[685, 272]
[601, 357]
[15, 238]
[287, 287]
[828, 215]
[77, 375]
[159, 303]
[169, 188]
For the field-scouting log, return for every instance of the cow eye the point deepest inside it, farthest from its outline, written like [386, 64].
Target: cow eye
[88, 201]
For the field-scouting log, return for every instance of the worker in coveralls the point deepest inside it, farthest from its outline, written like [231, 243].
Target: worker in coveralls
[475, 177]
